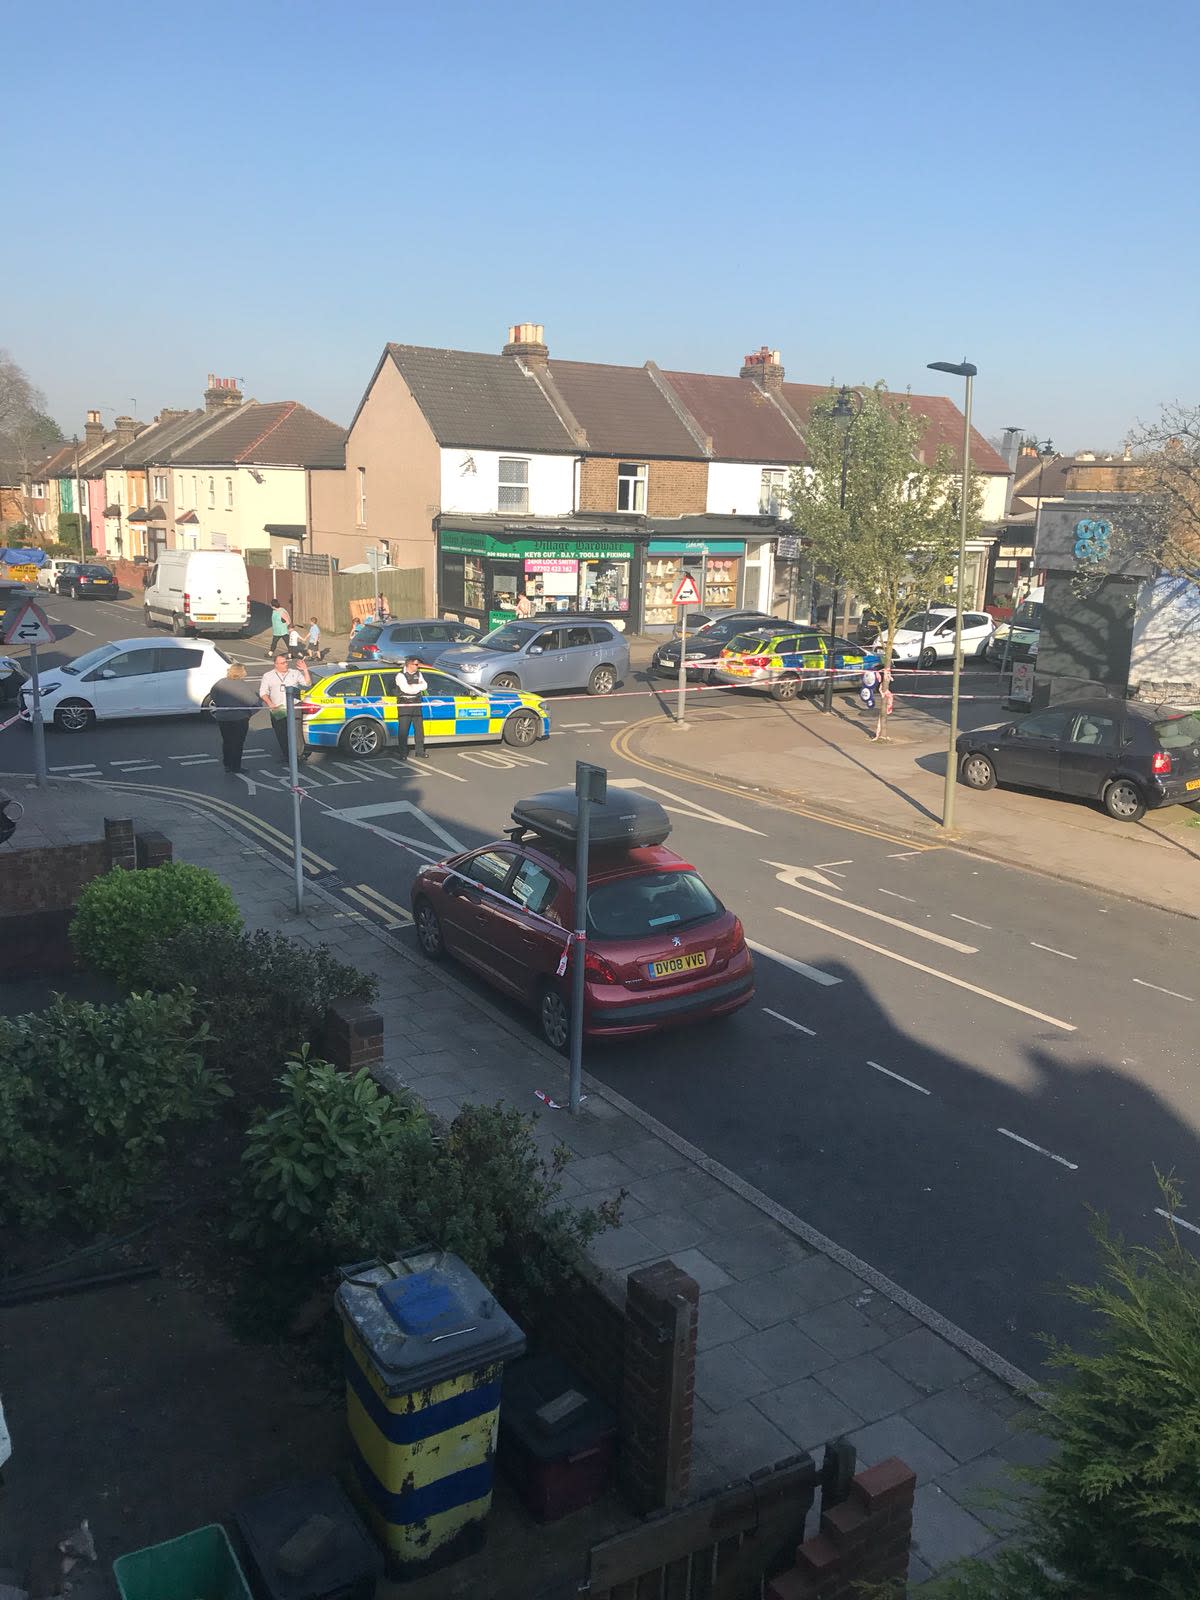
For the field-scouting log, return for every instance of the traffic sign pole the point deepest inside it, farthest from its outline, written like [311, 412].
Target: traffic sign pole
[681, 687]
[39, 731]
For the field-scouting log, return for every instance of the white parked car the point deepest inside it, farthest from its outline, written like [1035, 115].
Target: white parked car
[50, 572]
[928, 637]
[129, 678]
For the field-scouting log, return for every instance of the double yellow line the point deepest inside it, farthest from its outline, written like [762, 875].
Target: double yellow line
[622, 745]
[392, 915]
[264, 832]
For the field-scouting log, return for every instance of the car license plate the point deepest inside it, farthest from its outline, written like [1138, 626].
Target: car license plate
[1192, 783]
[206, 616]
[664, 969]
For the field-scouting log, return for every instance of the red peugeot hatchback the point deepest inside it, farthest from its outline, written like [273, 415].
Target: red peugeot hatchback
[661, 949]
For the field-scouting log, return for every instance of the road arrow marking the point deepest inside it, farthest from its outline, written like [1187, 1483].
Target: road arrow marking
[794, 875]
[685, 808]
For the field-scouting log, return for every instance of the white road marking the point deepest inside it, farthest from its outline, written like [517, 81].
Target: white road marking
[686, 808]
[249, 782]
[892, 922]
[1050, 950]
[888, 1073]
[78, 766]
[356, 769]
[1174, 993]
[802, 967]
[612, 722]
[139, 766]
[196, 761]
[136, 761]
[577, 727]
[1029, 1145]
[1178, 1221]
[896, 896]
[799, 1026]
[362, 816]
[74, 626]
[255, 755]
[933, 972]
[986, 926]
[903, 855]
[849, 862]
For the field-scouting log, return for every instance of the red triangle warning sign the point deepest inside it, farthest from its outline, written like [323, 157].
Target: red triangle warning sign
[686, 592]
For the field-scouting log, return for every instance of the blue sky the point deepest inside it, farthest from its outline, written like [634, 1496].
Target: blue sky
[272, 191]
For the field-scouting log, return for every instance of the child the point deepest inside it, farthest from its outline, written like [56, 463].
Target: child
[313, 642]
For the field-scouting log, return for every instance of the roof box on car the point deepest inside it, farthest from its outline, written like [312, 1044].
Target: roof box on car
[626, 820]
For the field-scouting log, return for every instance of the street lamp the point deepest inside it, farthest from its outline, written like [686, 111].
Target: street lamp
[960, 369]
[846, 412]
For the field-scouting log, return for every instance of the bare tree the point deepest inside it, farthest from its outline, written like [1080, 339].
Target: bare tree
[1167, 452]
[27, 433]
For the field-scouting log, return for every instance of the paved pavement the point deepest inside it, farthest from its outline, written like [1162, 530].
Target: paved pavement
[799, 1340]
[831, 763]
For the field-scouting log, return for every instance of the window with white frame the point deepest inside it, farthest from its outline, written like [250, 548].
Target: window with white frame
[180, 495]
[772, 496]
[212, 494]
[631, 486]
[39, 488]
[229, 494]
[158, 486]
[362, 497]
[514, 484]
[195, 491]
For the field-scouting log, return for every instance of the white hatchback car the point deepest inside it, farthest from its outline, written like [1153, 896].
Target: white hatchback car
[928, 637]
[50, 572]
[129, 678]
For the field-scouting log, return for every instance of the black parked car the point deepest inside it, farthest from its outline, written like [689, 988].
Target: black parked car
[706, 642]
[1126, 754]
[87, 582]
[423, 637]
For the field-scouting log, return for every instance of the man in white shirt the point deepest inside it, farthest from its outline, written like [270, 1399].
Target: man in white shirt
[410, 686]
[272, 691]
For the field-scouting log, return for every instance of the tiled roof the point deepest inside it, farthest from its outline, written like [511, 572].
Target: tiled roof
[153, 443]
[282, 433]
[488, 402]
[187, 516]
[743, 422]
[622, 410]
[58, 462]
[945, 424]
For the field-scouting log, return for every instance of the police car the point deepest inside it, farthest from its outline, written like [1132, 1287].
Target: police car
[358, 713]
[787, 664]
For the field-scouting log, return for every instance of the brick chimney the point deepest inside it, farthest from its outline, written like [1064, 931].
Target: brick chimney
[124, 430]
[528, 341]
[166, 415]
[222, 394]
[764, 368]
[93, 431]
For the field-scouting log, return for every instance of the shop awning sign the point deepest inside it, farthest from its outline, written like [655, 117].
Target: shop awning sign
[686, 592]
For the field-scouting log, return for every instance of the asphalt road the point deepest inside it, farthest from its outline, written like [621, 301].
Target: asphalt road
[947, 1061]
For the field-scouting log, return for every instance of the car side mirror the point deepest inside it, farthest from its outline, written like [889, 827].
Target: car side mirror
[1008, 730]
[108, 673]
[536, 650]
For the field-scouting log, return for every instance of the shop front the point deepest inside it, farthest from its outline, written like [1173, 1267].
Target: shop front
[731, 574]
[481, 576]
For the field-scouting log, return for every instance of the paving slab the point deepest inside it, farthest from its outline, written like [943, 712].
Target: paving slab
[962, 1426]
[943, 1532]
[741, 1440]
[869, 1387]
[701, 1267]
[990, 1489]
[725, 1376]
[808, 1413]
[719, 1323]
[755, 1250]
[784, 1353]
[897, 1436]
[927, 1360]
[841, 1327]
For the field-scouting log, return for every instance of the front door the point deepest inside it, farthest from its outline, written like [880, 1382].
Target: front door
[1087, 755]
[546, 669]
[478, 924]
[1030, 754]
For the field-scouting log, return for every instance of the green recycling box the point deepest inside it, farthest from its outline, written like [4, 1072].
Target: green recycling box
[425, 1350]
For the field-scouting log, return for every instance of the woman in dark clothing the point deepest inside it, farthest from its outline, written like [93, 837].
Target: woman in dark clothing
[234, 703]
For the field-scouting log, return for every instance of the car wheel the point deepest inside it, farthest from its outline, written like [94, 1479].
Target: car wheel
[976, 771]
[506, 680]
[74, 716]
[177, 626]
[554, 1015]
[362, 738]
[146, 617]
[927, 658]
[1123, 801]
[785, 689]
[208, 707]
[429, 931]
[602, 681]
[77, 593]
[523, 727]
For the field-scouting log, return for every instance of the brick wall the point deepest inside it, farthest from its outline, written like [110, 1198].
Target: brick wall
[863, 1543]
[637, 1350]
[673, 488]
[352, 1036]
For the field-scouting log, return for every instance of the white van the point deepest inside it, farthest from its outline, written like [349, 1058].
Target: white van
[207, 590]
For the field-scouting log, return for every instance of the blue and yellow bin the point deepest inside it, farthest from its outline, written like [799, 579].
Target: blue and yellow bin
[425, 1350]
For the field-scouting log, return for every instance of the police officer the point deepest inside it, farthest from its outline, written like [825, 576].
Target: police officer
[410, 687]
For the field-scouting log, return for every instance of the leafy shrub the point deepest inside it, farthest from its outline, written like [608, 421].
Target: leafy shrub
[122, 914]
[299, 1157]
[88, 1096]
[1114, 1513]
[262, 994]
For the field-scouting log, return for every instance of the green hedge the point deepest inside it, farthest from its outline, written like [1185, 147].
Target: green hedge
[89, 1096]
[122, 915]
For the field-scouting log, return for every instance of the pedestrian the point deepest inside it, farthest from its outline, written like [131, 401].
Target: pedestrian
[272, 691]
[294, 646]
[410, 686]
[234, 703]
[524, 609]
[280, 622]
[312, 643]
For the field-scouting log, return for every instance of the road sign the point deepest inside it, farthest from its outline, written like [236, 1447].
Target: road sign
[686, 592]
[28, 625]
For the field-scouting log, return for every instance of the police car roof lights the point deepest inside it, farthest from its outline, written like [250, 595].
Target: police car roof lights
[625, 820]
